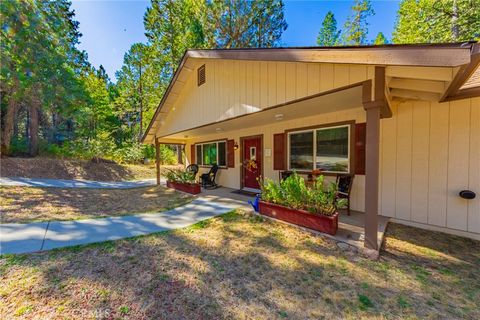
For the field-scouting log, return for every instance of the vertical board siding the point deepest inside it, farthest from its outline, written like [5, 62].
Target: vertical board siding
[403, 178]
[474, 167]
[420, 155]
[459, 145]
[388, 150]
[438, 164]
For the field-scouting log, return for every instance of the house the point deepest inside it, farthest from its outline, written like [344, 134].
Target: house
[405, 119]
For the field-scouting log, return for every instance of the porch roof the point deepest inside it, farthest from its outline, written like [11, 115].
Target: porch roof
[340, 99]
[444, 68]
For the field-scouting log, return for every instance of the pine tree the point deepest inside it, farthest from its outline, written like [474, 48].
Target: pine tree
[356, 26]
[424, 21]
[380, 39]
[328, 34]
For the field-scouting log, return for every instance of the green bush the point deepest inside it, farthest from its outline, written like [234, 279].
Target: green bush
[292, 192]
[181, 176]
[18, 146]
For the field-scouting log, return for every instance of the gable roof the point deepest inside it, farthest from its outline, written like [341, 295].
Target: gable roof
[451, 55]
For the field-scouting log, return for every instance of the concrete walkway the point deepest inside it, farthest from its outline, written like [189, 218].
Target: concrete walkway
[32, 237]
[59, 183]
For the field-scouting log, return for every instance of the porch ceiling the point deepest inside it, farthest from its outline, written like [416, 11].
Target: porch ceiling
[340, 100]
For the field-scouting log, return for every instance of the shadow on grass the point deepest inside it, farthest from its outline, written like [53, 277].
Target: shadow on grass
[232, 267]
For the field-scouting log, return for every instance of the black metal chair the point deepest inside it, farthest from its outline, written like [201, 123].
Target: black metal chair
[193, 169]
[344, 185]
[208, 179]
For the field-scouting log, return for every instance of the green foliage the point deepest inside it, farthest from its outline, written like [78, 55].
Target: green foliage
[356, 26]
[181, 176]
[428, 21]
[364, 301]
[292, 192]
[380, 39]
[328, 34]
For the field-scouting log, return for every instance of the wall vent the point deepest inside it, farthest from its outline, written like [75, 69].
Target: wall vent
[201, 75]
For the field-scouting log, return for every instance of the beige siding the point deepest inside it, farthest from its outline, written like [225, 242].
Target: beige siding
[236, 88]
[429, 152]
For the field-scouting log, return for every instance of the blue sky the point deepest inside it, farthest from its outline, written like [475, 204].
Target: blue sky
[110, 27]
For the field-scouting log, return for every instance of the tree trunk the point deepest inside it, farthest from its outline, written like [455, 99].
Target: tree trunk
[8, 125]
[455, 30]
[9, 120]
[33, 127]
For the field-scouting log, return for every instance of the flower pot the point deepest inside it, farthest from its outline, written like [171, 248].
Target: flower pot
[192, 188]
[317, 222]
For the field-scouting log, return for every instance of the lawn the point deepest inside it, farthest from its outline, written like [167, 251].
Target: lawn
[240, 267]
[26, 204]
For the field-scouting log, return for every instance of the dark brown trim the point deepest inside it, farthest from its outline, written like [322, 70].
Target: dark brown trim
[213, 140]
[453, 91]
[350, 123]
[354, 85]
[242, 158]
[157, 160]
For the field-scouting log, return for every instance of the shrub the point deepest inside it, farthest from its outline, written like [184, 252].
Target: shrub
[292, 192]
[180, 176]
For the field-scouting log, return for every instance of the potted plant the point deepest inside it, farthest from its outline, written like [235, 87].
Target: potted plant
[182, 180]
[314, 207]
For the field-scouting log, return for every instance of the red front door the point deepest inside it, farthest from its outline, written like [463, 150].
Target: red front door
[252, 162]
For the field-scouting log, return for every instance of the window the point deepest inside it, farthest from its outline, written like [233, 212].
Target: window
[211, 153]
[326, 149]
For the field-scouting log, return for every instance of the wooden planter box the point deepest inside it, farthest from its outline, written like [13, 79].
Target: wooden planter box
[193, 188]
[318, 222]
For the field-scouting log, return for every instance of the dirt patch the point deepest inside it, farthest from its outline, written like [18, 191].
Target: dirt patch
[73, 169]
[235, 267]
[25, 204]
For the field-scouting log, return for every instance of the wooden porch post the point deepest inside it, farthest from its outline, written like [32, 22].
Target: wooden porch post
[374, 111]
[157, 159]
[372, 159]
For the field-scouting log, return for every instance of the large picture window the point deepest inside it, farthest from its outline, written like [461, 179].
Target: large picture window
[211, 153]
[326, 149]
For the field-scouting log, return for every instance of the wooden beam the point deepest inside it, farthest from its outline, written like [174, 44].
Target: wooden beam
[415, 95]
[372, 160]
[157, 160]
[423, 73]
[418, 85]
[439, 55]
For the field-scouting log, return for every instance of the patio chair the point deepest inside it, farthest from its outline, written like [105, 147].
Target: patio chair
[208, 179]
[344, 185]
[193, 169]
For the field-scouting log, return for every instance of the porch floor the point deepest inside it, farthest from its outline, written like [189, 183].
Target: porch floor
[351, 228]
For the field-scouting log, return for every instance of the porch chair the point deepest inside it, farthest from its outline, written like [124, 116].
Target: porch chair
[344, 185]
[208, 179]
[193, 169]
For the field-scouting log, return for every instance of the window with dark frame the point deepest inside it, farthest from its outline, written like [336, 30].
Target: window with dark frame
[326, 149]
[201, 78]
[210, 153]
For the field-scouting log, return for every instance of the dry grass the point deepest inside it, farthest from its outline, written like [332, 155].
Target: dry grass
[51, 168]
[26, 204]
[235, 267]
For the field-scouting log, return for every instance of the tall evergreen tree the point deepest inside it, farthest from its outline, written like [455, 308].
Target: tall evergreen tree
[426, 21]
[380, 39]
[328, 34]
[356, 26]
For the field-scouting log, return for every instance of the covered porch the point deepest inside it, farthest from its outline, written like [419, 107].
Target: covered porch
[360, 228]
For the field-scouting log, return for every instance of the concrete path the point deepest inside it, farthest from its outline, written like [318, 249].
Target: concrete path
[59, 183]
[32, 237]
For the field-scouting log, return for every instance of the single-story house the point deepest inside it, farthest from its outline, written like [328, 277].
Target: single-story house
[405, 119]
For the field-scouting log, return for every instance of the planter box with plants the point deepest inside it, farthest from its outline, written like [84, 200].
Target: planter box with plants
[182, 181]
[292, 201]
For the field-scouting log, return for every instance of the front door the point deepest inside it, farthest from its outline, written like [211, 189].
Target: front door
[252, 162]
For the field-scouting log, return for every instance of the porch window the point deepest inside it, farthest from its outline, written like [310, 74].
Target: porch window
[326, 149]
[210, 153]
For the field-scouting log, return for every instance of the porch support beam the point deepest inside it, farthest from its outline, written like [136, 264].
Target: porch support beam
[157, 160]
[376, 106]
[372, 160]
